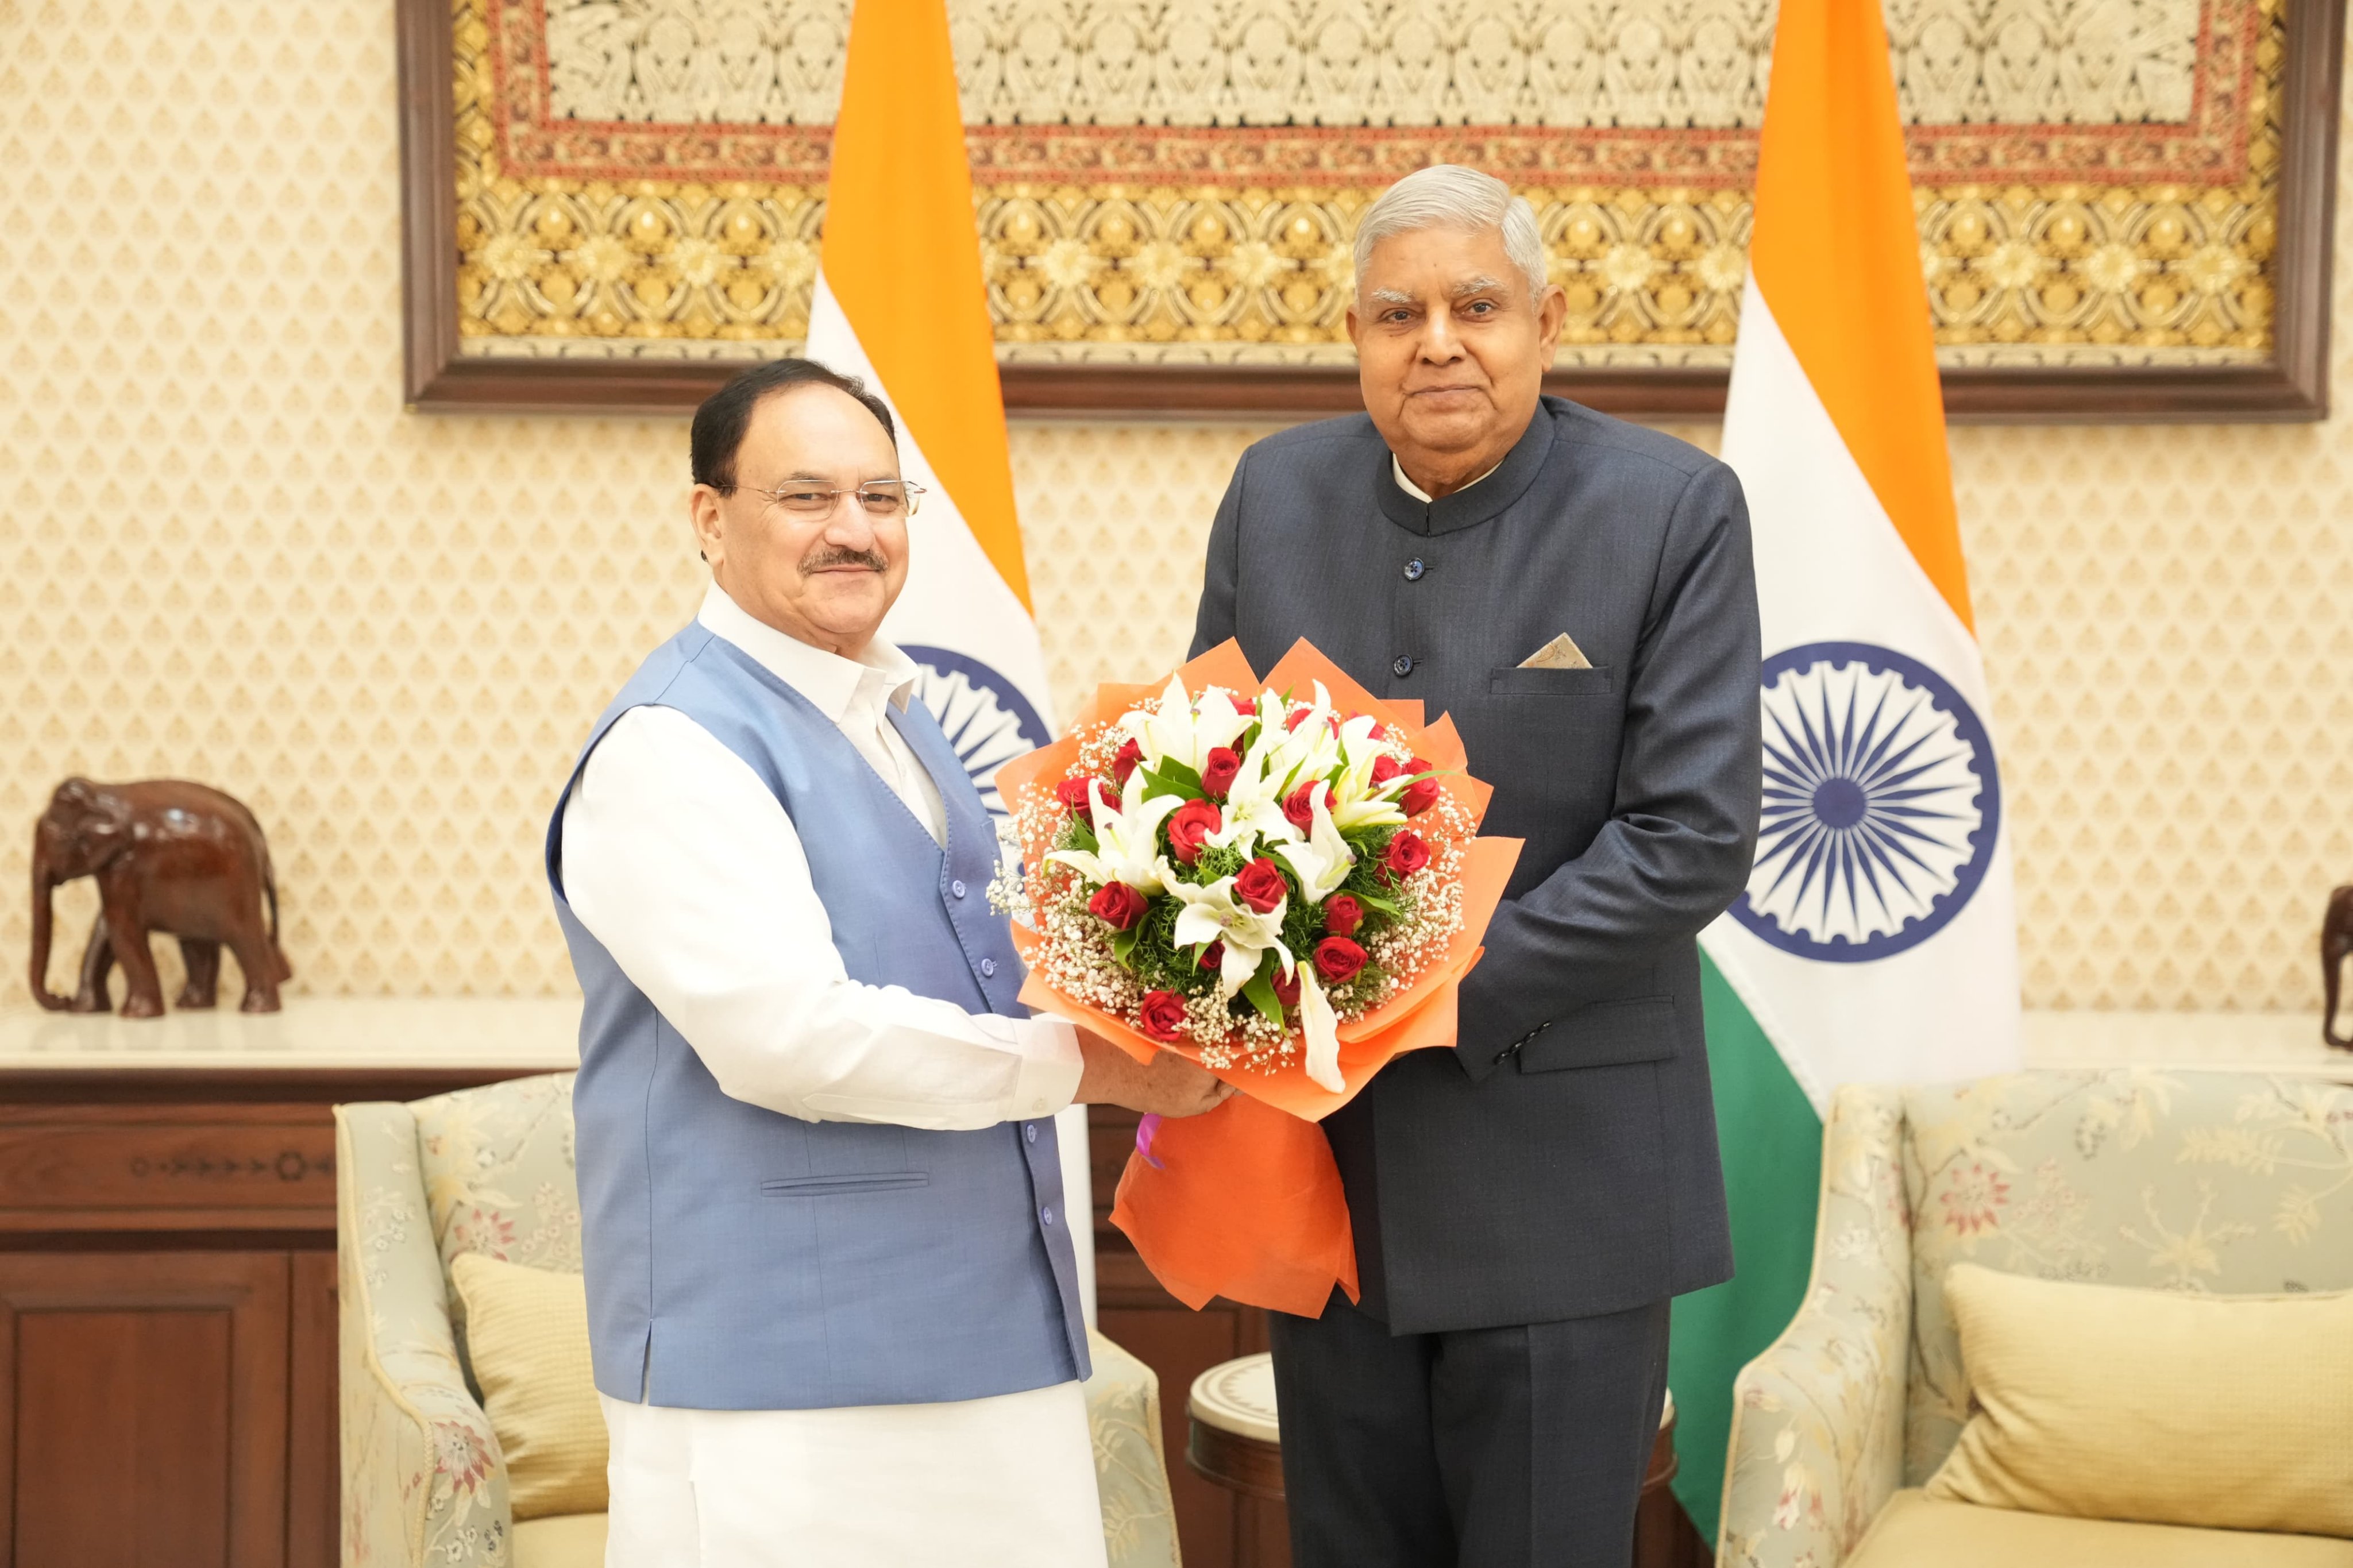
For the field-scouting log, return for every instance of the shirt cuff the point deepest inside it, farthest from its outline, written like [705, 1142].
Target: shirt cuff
[1051, 1065]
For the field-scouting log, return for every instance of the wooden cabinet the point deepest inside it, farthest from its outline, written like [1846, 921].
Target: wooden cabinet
[167, 1313]
[149, 1395]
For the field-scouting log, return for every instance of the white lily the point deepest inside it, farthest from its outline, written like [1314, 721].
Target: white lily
[1303, 751]
[1319, 1028]
[1253, 811]
[1127, 840]
[1170, 730]
[1357, 802]
[1212, 913]
[1321, 861]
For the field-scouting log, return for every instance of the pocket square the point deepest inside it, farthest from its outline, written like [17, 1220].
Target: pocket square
[1561, 653]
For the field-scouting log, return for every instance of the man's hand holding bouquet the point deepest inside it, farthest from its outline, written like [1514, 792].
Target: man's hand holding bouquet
[1281, 881]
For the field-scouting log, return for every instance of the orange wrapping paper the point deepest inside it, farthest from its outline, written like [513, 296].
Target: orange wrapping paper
[1246, 1201]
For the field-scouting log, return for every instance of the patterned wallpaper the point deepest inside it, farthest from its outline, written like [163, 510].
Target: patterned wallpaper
[226, 552]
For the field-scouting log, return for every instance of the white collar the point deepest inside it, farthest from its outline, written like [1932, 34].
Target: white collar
[1415, 490]
[826, 680]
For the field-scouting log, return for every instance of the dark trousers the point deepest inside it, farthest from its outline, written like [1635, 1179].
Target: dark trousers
[1521, 1445]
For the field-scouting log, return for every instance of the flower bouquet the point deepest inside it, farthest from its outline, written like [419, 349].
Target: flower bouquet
[1282, 880]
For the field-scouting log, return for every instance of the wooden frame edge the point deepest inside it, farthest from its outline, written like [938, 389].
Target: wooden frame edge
[428, 206]
[2293, 386]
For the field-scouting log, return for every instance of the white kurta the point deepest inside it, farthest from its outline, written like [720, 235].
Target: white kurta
[684, 866]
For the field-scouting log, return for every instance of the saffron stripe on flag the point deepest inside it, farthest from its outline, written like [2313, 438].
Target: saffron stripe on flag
[1835, 250]
[902, 258]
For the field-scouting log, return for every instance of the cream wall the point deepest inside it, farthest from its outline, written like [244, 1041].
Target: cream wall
[225, 552]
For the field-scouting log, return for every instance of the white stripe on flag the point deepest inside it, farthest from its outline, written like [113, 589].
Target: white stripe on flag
[1831, 567]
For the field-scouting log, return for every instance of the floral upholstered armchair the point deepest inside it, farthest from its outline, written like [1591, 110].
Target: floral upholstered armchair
[2184, 1180]
[490, 1171]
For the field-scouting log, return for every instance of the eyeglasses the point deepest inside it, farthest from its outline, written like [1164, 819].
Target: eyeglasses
[876, 498]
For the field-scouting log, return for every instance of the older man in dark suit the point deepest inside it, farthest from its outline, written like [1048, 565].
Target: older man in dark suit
[1578, 593]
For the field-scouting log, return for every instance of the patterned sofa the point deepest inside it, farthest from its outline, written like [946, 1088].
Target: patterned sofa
[2182, 1180]
[490, 1170]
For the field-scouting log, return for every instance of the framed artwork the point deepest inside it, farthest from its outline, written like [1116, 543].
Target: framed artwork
[2125, 205]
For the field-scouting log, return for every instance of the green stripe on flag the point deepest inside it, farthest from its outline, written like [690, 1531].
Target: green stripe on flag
[1772, 1175]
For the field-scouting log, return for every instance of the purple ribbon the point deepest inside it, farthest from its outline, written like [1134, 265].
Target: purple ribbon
[1143, 1134]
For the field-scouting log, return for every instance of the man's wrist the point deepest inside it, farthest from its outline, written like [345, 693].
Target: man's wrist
[1051, 1065]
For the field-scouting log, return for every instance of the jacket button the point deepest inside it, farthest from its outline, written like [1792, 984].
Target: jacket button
[1402, 666]
[988, 968]
[1414, 568]
[956, 888]
[1029, 1133]
[1046, 1215]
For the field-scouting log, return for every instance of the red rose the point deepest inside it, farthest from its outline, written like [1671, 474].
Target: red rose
[1298, 717]
[1124, 763]
[1337, 960]
[1072, 793]
[1261, 885]
[1161, 1015]
[1300, 805]
[1379, 731]
[1118, 905]
[1286, 988]
[1420, 795]
[1385, 768]
[1195, 820]
[1407, 854]
[1218, 771]
[1214, 956]
[1343, 914]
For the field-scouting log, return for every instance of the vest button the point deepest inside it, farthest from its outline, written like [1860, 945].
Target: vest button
[1402, 666]
[956, 888]
[988, 968]
[1414, 568]
[1029, 1133]
[1047, 1213]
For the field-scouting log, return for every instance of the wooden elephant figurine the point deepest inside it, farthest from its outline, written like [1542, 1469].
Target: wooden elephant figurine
[2335, 946]
[169, 857]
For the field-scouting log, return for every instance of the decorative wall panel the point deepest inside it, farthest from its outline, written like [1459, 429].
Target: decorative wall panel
[1175, 183]
[226, 552]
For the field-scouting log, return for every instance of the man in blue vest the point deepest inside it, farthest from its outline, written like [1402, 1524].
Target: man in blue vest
[832, 1297]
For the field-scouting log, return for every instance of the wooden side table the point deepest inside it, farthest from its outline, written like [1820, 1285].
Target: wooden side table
[1236, 1441]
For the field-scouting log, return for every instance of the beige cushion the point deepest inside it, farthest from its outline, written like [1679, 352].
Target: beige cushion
[527, 1333]
[2234, 1412]
[1916, 1530]
[561, 1541]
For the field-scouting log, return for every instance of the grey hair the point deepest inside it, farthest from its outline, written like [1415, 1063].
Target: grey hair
[1449, 196]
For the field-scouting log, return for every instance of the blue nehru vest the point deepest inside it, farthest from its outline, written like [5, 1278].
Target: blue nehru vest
[741, 1259]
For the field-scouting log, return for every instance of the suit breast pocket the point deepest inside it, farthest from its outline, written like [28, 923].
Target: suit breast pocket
[1519, 681]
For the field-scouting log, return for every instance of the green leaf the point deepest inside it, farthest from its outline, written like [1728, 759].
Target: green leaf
[1261, 995]
[1122, 942]
[1173, 777]
[1081, 836]
[1155, 785]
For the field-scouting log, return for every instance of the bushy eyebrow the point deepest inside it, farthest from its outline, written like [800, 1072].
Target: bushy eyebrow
[1482, 284]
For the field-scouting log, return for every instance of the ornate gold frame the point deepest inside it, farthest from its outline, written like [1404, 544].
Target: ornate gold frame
[2277, 239]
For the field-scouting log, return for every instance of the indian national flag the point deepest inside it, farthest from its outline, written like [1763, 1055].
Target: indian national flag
[1877, 939]
[901, 302]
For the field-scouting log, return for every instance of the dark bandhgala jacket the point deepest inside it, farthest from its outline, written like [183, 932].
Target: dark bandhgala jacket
[1561, 1161]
